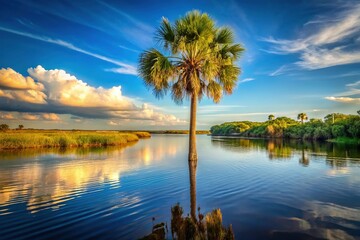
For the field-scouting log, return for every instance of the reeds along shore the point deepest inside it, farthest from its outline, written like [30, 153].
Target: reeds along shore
[47, 139]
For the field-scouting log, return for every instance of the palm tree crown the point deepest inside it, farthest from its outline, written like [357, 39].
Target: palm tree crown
[302, 117]
[198, 59]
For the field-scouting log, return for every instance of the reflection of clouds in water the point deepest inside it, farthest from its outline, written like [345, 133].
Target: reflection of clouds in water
[338, 171]
[50, 187]
[46, 187]
[57, 178]
[318, 215]
[149, 154]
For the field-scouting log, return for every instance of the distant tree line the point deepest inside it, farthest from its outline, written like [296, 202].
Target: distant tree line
[336, 125]
[5, 127]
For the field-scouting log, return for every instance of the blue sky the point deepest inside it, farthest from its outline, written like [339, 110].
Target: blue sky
[72, 64]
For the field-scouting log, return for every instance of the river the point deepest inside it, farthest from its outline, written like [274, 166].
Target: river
[267, 189]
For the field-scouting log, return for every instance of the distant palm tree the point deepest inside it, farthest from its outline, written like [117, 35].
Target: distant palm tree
[302, 117]
[198, 59]
[271, 117]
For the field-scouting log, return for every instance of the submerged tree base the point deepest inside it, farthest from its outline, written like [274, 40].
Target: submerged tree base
[182, 228]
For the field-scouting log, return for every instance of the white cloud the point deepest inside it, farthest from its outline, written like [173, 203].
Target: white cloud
[280, 70]
[348, 97]
[105, 18]
[131, 71]
[30, 117]
[30, 96]
[65, 89]
[6, 116]
[112, 123]
[246, 80]
[129, 49]
[323, 58]
[65, 94]
[9, 79]
[50, 117]
[355, 84]
[344, 99]
[127, 68]
[331, 44]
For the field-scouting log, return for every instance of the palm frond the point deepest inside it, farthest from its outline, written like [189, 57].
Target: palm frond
[178, 92]
[228, 77]
[156, 70]
[236, 50]
[214, 91]
[224, 36]
[165, 34]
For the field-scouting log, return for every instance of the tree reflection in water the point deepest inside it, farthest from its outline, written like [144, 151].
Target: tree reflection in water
[337, 155]
[195, 226]
[304, 160]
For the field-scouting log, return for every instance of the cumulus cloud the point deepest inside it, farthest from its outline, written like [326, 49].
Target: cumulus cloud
[63, 93]
[332, 43]
[15, 86]
[29, 96]
[50, 117]
[65, 89]
[9, 79]
[6, 116]
[30, 117]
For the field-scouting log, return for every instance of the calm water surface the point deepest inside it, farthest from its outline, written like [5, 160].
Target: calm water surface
[265, 189]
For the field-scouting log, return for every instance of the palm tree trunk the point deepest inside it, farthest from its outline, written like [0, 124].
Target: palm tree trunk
[192, 174]
[192, 138]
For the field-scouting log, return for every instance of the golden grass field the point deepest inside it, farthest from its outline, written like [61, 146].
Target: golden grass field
[18, 139]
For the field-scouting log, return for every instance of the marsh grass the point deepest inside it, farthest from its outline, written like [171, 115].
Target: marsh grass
[63, 139]
[142, 134]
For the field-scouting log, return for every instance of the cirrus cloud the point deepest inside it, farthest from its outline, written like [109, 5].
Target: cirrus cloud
[331, 43]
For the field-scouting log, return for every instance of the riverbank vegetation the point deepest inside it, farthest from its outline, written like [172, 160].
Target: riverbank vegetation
[338, 127]
[15, 139]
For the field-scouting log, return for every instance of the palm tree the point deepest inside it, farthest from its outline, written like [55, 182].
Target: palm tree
[302, 117]
[271, 117]
[198, 59]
